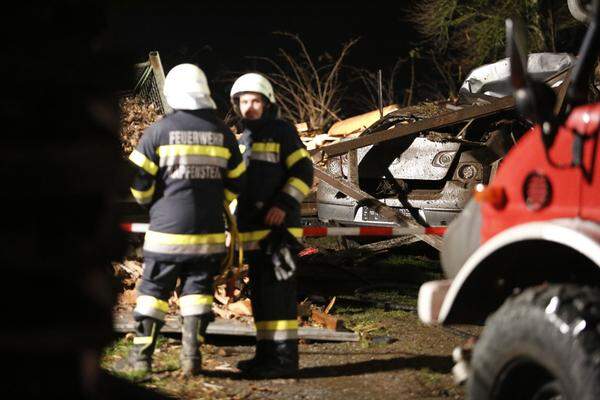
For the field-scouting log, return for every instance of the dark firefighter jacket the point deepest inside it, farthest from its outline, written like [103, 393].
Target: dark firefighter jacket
[279, 173]
[188, 164]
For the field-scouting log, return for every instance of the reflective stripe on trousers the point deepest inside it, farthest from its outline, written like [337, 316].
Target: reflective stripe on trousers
[278, 330]
[151, 307]
[195, 304]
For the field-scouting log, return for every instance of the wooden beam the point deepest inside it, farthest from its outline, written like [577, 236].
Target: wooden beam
[123, 322]
[450, 118]
[440, 121]
[159, 75]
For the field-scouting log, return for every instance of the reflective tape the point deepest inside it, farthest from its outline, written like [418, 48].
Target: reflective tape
[265, 147]
[277, 330]
[250, 239]
[195, 304]
[296, 188]
[170, 243]
[265, 151]
[266, 157]
[237, 171]
[143, 197]
[192, 160]
[254, 235]
[151, 307]
[142, 340]
[279, 336]
[183, 239]
[296, 232]
[229, 195]
[143, 162]
[191, 249]
[295, 193]
[172, 150]
[296, 156]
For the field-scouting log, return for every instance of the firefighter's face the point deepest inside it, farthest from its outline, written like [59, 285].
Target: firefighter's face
[252, 105]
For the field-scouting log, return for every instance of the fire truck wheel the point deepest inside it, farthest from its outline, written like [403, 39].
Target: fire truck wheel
[541, 344]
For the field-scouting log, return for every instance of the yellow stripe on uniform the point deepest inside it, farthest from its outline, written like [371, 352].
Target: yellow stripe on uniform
[280, 325]
[173, 238]
[296, 188]
[268, 147]
[229, 195]
[152, 302]
[151, 307]
[194, 299]
[300, 185]
[143, 162]
[296, 232]
[296, 156]
[258, 235]
[143, 197]
[250, 239]
[195, 304]
[237, 171]
[254, 235]
[172, 150]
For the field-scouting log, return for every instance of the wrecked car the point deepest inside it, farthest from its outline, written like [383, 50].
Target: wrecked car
[429, 175]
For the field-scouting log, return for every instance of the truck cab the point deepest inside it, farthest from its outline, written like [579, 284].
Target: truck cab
[523, 259]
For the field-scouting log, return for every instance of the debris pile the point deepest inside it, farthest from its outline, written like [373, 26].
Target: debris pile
[235, 307]
[136, 115]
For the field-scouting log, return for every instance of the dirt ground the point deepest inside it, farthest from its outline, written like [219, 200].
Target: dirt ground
[397, 356]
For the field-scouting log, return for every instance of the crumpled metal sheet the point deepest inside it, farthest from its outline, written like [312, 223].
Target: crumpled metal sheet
[493, 79]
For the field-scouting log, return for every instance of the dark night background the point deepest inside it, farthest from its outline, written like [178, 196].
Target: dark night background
[221, 36]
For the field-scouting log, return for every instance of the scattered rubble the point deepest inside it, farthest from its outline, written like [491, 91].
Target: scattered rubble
[136, 115]
[236, 307]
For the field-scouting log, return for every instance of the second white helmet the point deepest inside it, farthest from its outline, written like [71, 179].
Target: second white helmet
[253, 82]
[186, 88]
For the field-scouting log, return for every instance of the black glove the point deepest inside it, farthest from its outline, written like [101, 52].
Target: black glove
[279, 247]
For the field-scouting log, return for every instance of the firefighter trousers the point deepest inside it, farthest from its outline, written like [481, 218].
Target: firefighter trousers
[273, 302]
[159, 279]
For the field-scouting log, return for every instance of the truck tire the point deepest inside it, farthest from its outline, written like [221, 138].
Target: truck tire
[541, 344]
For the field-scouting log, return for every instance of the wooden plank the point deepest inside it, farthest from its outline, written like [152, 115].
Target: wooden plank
[440, 121]
[159, 75]
[123, 322]
[353, 167]
[385, 211]
[329, 321]
[450, 118]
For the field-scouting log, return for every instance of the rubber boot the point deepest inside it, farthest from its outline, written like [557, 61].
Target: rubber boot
[146, 334]
[281, 360]
[254, 362]
[193, 331]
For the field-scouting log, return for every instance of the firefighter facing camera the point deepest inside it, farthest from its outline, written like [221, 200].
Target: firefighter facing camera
[279, 176]
[188, 165]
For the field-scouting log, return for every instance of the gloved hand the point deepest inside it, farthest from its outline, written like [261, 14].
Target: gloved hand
[283, 264]
[279, 247]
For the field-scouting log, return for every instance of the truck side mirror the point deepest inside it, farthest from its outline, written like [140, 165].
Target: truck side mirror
[516, 51]
[534, 100]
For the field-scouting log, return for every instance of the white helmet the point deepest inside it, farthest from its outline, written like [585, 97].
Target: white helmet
[253, 82]
[186, 88]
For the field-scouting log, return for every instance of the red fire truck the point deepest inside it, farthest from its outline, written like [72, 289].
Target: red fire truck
[524, 256]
